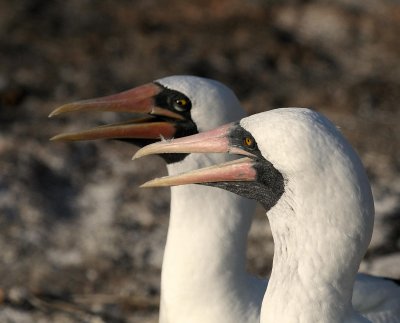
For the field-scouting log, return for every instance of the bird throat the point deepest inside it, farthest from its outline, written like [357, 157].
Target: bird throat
[267, 189]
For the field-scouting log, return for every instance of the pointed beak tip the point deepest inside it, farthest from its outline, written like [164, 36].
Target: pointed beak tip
[139, 154]
[147, 150]
[60, 137]
[146, 185]
[55, 112]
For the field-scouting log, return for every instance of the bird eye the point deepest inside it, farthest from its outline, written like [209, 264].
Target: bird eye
[249, 142]
[180, 104]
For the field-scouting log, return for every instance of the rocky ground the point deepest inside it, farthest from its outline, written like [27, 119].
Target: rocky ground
[79, 241]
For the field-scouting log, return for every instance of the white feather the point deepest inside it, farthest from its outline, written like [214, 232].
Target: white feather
[321, 225]
[203, 273]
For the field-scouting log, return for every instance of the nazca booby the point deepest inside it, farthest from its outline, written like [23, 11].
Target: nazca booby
[319, 204]
[203, 271]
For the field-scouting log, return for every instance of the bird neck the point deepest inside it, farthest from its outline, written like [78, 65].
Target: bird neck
[318, 246]
[205, 255]
[208, 222]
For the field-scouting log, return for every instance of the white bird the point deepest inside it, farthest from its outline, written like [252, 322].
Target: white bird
[320, 208]
[204, 278]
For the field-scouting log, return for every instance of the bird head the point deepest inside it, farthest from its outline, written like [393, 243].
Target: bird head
[292, 156]
[171, 107]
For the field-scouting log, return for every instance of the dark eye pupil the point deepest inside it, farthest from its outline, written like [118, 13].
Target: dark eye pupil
[249, 142]
[180, 102]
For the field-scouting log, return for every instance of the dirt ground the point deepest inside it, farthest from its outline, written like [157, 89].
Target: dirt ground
[79, 242]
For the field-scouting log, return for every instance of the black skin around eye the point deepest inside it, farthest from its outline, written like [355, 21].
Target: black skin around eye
[168, 99]
[269, 184]
[237, 137]
[249, 142]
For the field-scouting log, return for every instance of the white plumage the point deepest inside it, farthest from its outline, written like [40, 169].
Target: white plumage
[321, 225]
[203, 274]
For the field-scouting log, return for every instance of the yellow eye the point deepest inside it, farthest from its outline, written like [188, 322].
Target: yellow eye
[180, 104]
[248, 141]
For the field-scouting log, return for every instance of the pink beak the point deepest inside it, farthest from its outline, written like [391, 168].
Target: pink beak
[214, 141]
[137, 100]
[239, 170]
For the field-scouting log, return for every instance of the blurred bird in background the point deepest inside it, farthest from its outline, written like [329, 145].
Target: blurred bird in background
[78, 242]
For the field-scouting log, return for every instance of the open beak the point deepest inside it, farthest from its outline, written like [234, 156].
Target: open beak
[214, 141]
[160, 122]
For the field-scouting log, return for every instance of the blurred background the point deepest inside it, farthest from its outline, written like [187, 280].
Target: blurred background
[79, 242]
